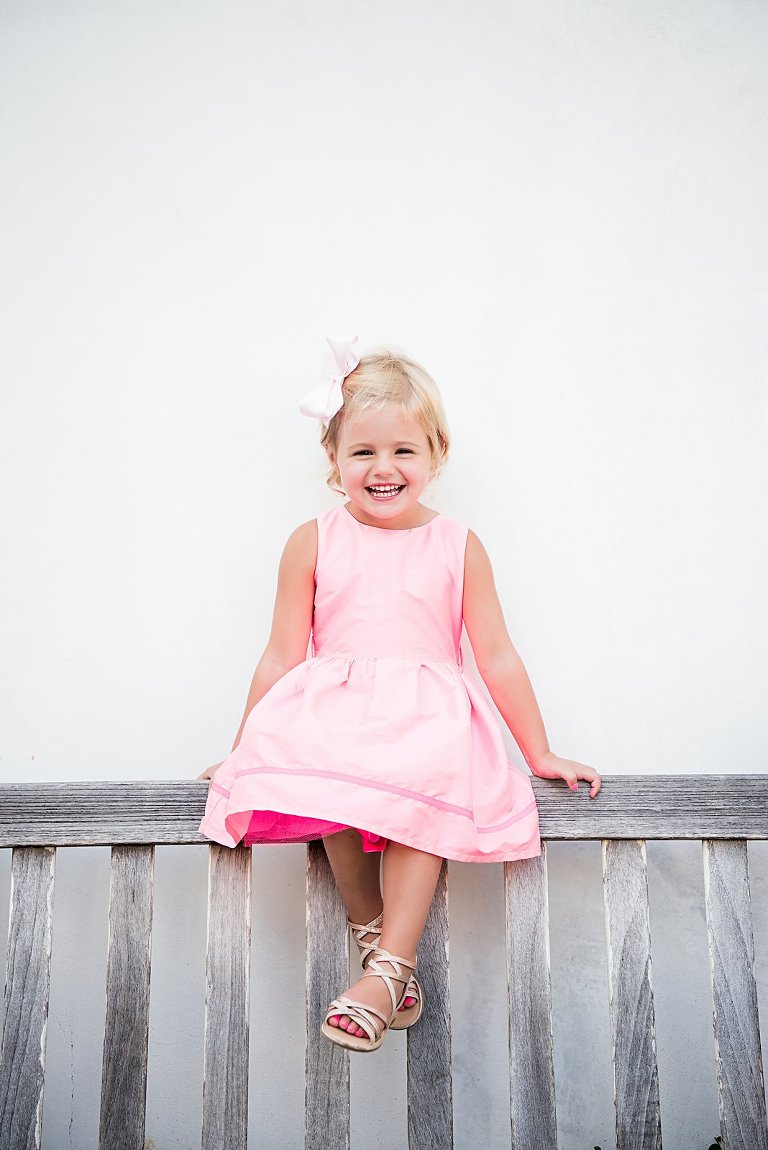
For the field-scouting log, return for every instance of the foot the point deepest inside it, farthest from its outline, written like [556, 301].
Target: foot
[365, 939]
[371, 991]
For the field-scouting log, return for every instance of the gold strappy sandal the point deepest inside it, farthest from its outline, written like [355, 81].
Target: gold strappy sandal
[409, 1014]
[367, 1018]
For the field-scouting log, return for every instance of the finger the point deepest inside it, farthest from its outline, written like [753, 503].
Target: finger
[590, 775]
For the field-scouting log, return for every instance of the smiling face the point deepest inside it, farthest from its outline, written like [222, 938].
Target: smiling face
[385, 464]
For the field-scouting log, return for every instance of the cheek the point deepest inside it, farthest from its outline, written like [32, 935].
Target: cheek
[418, 468]
[352, 471]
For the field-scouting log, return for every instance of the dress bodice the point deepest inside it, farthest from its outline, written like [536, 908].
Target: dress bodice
[384, 593]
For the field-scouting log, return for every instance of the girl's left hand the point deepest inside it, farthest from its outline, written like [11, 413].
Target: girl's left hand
[551, 766]
[209, 772]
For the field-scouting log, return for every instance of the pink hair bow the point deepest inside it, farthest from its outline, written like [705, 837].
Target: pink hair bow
[325, 401]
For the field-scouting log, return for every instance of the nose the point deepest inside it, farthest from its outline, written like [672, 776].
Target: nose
[385, 465]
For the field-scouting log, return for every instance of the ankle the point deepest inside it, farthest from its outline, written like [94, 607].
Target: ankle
[366, 914]
[407, 956]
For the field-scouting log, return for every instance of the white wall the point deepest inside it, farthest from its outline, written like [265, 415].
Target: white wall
[558, 208]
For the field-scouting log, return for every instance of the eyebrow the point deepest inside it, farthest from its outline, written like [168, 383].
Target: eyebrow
[402, 443]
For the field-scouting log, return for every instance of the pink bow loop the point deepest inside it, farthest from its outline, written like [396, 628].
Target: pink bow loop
[326, 400]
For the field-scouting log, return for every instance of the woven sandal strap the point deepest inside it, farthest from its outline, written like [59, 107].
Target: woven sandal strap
[372, 927]
[361, 1013]
[374, 970]
[387, 956]
[412, 989]
[359, 930]
[364, 1006]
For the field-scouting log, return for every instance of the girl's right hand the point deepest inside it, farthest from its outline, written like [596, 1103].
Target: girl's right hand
[209, 772]
[551, 766]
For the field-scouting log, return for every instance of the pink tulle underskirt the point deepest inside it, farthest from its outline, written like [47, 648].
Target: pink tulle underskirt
[274, 827]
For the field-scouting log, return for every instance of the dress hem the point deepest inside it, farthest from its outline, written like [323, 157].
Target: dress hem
[219, 830]
[428, 848]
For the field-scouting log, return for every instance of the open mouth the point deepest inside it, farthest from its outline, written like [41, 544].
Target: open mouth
[385, 491]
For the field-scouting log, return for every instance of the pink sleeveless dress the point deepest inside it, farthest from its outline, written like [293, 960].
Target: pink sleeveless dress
[381, 729]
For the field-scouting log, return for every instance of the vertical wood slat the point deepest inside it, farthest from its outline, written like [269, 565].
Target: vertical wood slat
[633, 1027]
[227, 999]
[531, 1052]
[326, 1065]
[740, 1086]
[27, 990]
[430, 1098]
[126, 1020]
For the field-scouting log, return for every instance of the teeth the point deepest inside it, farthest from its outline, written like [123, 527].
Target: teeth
[384, 490]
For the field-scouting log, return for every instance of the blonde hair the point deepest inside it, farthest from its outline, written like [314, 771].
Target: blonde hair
[384, 380]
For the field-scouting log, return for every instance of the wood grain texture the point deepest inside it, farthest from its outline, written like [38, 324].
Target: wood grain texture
[656, 807]
[126, 1022]
[628, 807]
[633, 1027]
[531, 1053]
[27, 990]
[430, 1096]
[227, 999]
[722, 810]
[740, 1085]
[326, 1065]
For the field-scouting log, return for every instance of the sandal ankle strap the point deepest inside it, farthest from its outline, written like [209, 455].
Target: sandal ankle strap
[373, 970]
[359, 930]
[372, 927]
[388, 956]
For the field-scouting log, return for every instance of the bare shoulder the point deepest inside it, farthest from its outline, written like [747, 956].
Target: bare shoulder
[483, 615]
[476, 561]
[301, 546]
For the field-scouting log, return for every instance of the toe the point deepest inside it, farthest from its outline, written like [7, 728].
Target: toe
[351, 1027]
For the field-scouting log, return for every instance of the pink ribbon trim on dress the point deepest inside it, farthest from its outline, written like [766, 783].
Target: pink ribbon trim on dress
[372, 784]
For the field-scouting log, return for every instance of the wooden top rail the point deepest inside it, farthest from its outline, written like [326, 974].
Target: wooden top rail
[628, 807]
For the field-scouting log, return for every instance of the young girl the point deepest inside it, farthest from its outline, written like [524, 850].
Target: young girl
[380, 742]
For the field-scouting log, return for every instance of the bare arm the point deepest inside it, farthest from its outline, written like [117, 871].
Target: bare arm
[505, 676]
[291, 620]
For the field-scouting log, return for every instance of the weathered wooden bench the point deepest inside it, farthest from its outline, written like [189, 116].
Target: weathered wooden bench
[723, 811]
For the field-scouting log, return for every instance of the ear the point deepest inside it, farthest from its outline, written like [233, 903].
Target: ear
[332, 460]
[438, 457]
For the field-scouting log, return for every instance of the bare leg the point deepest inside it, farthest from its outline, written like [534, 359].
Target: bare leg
[410, 877]
[356, 874]
[358, 877]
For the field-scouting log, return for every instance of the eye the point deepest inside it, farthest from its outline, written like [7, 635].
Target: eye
[363, 451]
[404, 451]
